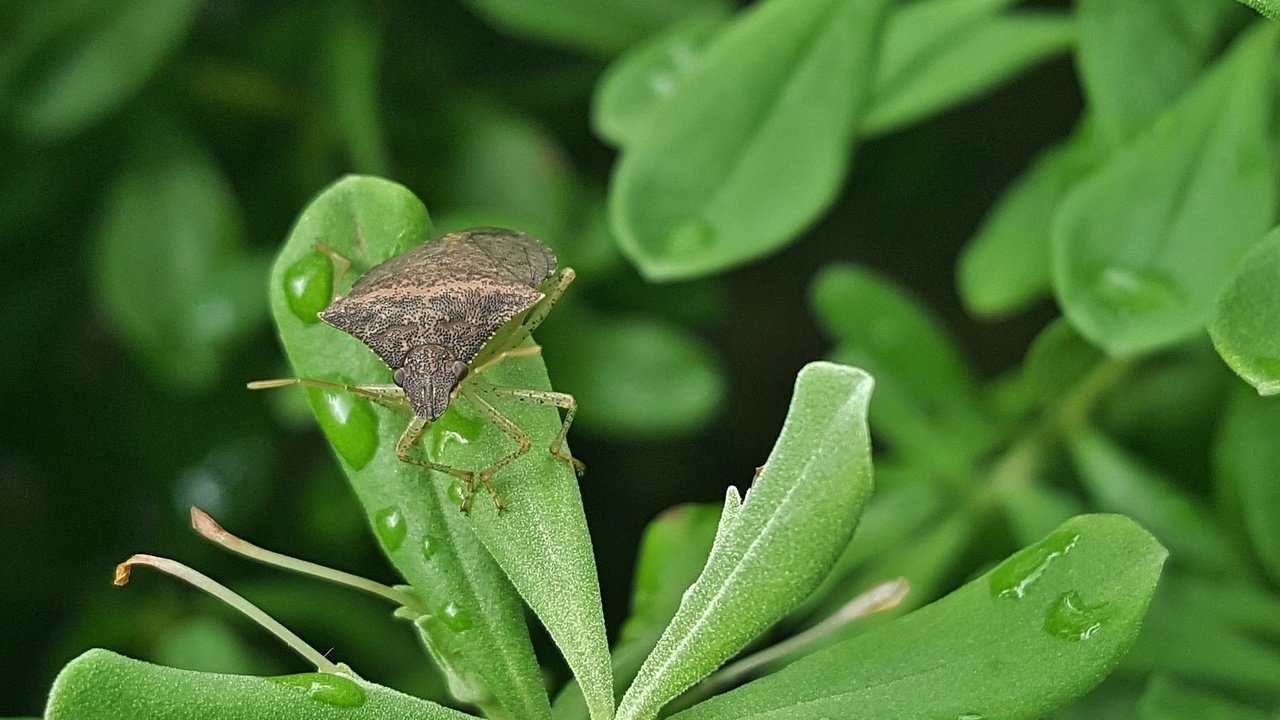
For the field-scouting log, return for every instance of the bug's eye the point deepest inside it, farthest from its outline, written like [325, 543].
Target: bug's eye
[459, 369]
[397, 377]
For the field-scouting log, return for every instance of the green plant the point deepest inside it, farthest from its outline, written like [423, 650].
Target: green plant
[1029, 513]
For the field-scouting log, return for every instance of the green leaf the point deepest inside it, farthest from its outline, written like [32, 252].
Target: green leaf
[73, 62]
[634, 378]
[170, 267]
[1136, 58]
[1168, 699]
[350, 56]
[476, 630]
[1058, 359]
[1063, 611]
[1142, 248]
[774, 548]
[673, 552]
[603, 27]
[1119, 483]
[1247, 462]
[1269, 8]
[940, 53]
[757, 146]
[102, 684]
[1006, 265]
[635, 85]
[1243, 326]
[927, 404]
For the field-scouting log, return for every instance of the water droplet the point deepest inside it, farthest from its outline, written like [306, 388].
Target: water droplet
[456, 492]
[691, 238]
[430, 544]
[326, 687]
[1070, 618]
[453, 428]
[971, 716]
[1136, 292]
[1013, 577]
[308, 286]
[389, 525]
[350, 424]
[455, 618]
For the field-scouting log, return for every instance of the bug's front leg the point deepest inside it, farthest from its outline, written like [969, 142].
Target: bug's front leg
[411, 436]
[564, 401]
[389, 395]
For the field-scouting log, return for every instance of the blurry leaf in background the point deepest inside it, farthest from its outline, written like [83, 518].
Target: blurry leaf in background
[1247, 464]
[171, 267]
[1137, 57]
[754, 146]
[207, 644]
[773, 549]
[939, 53]
[1144, 246]
[1006, 264]
[634, 378]
[70, 63]
[925, 403]
[1168, 699]
[1058, 360]
[604, 27]
[1245, 328]
[351, 56]
[1065, 611]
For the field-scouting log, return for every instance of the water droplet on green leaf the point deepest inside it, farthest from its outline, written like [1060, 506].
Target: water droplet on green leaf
[326, 688]
[308, 286]
[1136, 292]
[1015, 576]
[453, 428]
[691, 238]
[389, 525]
[456, 492]
[1070, 618]
[350, 424]
[971, 716]
[430, 544]
[455, 618]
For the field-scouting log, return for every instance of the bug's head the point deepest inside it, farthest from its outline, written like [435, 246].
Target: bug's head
[429, 375]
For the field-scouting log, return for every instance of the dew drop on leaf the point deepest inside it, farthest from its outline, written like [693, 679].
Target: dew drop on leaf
[455, 618]
[308, 286]
[430, 544]
[1071, 618]
[350, 424]
[1131, 292]
[1015, 576]
[326, 688]
[389, 525]
[453, 428]
[456, 492]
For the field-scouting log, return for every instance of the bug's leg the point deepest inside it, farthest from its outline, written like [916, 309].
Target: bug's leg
[340, 265]
[390, 395]
[511, 430]
[540, 311]
[561, 400]
[525, 351]
[412, 434]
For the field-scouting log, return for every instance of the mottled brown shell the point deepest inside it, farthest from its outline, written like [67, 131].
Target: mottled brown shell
[428, 312]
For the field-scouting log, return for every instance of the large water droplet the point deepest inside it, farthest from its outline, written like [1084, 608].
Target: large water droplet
[350, 424]
[455, 618]
[1132, 292]
[388, 524]
[1070, 618]
[1016, 575]
[430, 544]
[453, 428]
[456, 492]
[308, 286]
[326, 688]
[691, 238]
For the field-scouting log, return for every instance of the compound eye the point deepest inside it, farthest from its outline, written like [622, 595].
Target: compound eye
[459, 369]
[397, 377]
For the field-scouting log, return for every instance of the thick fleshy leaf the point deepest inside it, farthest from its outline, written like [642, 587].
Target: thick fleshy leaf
[1006, 265]
[598, 26]
[1144, 246]
[1064, 610]
[1137, 57]
[757, 146]
[1244, 328]
[940, 53]
[926, 404]
[1247, 462]
[71, 63]
[774, 548]
[634, 378]
[171, 268]
[101, 685]
[476, 630]
[1167, 699]
[1119, 483]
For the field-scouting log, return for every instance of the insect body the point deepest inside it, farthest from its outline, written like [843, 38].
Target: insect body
[442, 313]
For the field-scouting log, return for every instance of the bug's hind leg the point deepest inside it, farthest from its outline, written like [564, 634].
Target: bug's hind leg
[411, 436]
[540, 311]
[564, 401]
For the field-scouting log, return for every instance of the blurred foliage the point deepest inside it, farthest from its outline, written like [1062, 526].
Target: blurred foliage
[1111, 162]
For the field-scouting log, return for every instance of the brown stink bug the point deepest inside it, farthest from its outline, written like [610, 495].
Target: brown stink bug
[439, 315]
